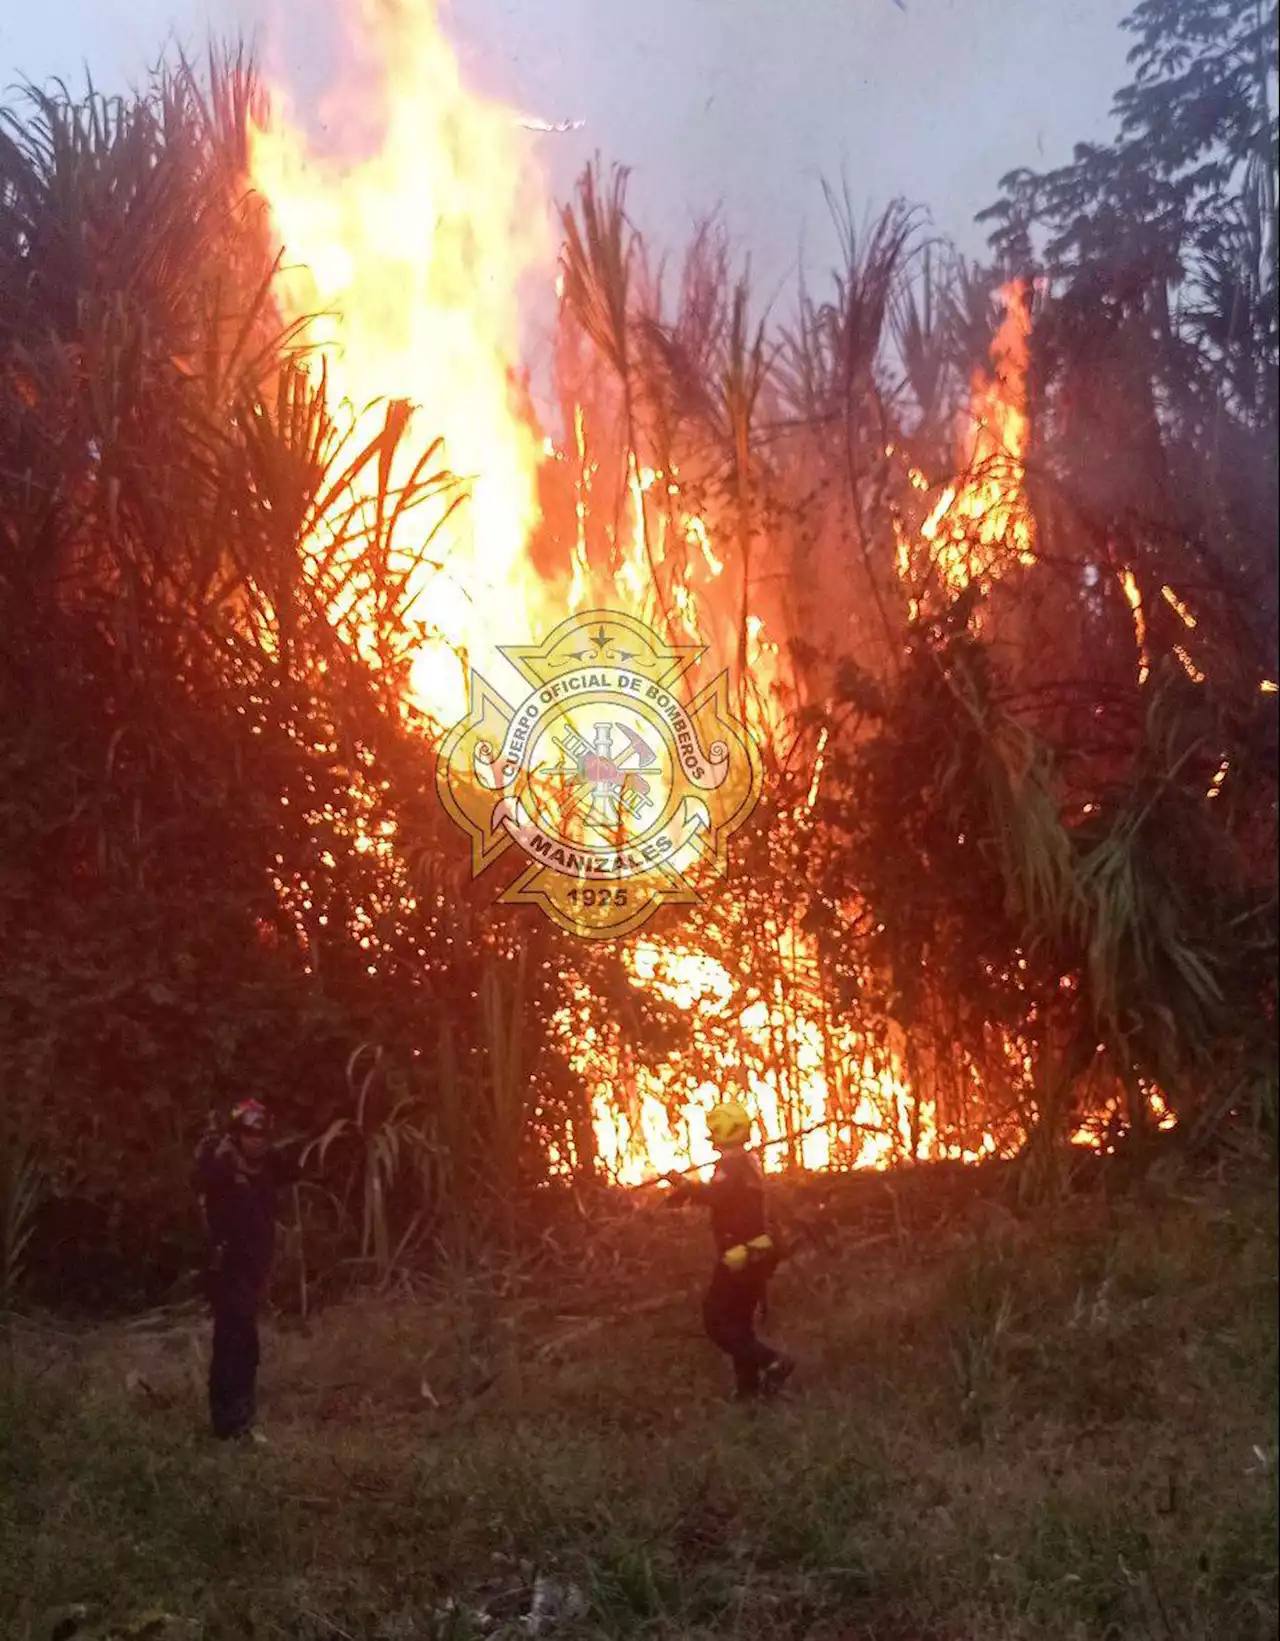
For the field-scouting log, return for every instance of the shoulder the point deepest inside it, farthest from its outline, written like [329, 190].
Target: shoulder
[742, 1167]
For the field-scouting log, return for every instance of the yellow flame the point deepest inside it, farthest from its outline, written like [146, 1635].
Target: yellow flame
[980, 525]
[819, 762]
[797, 1112]
[415, 255]
[1188, 665]
[1184, 614]
[1131, 591]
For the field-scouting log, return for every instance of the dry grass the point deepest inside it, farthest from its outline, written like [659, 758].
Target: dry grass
[1003, 1431]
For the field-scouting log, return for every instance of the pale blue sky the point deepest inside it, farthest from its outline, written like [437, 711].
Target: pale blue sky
[748, 103]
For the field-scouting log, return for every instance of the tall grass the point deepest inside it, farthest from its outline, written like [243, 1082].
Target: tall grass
[384, 1141]
[22, 1190]
[1049, 1430]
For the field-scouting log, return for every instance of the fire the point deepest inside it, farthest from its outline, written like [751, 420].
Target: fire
[415, 256]
[981, 525]
[1184, 614]
[665, 538]
[1131, 592]
[416, 251]
[1133, 595]
[844, 1100]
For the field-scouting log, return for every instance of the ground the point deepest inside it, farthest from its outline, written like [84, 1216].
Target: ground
[1007, 1427]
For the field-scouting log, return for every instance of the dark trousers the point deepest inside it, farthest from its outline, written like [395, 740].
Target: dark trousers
[729, 1315]
[233, 1367]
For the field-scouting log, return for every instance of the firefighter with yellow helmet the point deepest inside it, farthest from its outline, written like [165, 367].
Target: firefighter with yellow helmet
[746, 1256]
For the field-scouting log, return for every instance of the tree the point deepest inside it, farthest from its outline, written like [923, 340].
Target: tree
[214, 804]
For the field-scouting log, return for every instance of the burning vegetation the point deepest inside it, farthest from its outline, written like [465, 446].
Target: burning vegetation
[997, 607]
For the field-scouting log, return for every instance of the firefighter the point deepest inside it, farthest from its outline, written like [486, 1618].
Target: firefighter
[746, 1255]
[238, 1176]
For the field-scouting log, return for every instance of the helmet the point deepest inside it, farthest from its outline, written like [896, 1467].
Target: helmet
[251, 1115]
[729, 1123]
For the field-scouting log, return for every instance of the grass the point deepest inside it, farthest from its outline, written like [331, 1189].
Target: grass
[1005, 1430]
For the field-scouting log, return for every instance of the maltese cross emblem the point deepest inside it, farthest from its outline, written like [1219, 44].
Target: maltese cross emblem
[621, 794]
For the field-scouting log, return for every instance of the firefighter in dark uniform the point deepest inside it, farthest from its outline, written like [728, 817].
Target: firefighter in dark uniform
[746, 1256]
[238, 1176]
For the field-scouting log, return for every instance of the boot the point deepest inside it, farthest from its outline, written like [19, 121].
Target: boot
[775, 1375]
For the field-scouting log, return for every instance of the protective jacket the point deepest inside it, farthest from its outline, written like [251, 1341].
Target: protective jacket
[735, 1197]
[240, 1203]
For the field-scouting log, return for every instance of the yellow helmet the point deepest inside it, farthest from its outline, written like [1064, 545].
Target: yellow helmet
[728, 1123]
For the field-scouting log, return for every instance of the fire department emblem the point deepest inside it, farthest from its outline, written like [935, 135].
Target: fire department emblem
[622, 795]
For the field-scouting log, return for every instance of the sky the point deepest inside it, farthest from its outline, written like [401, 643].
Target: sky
[742, 105]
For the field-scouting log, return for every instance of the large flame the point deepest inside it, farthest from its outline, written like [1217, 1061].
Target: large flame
[415, 257]
[980, 525]
[418, 252]
[818, 1095]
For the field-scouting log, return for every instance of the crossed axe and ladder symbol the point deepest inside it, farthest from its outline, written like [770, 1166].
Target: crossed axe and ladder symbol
[603, 785]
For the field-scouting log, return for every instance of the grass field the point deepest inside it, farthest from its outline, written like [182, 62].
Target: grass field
[1002, 1431]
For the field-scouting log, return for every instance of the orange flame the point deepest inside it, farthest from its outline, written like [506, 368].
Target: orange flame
[981, 525]
[1132, 592]
[814, 1092]
[414, 257]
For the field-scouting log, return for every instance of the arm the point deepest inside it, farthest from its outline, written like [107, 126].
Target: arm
[685, 1189]
[680, 1194]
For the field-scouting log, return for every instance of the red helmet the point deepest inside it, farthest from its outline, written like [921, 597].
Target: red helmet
[251, 1115]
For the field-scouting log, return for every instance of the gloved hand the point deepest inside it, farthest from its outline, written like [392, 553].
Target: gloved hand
[736, 1258]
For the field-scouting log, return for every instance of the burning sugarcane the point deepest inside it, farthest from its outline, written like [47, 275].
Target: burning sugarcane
[765, 1145]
